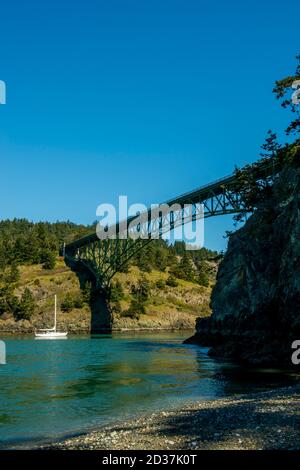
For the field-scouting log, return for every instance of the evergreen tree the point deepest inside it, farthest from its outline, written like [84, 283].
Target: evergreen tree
[14, 274]
[142, 291]
[67, 303]
[270, 147]
[185, 269]
[282, 87]
[116, 292]
[142, 261]
[136, 308]
[26, 306]
[48, 260]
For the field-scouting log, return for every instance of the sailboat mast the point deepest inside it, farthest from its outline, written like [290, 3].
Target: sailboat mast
[55, 311]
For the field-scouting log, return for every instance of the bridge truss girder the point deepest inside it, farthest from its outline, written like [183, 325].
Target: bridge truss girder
[104, 257]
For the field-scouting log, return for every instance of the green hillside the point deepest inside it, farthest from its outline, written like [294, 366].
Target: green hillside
[162, 287]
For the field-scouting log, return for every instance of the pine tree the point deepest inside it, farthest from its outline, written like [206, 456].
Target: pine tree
[67, 303]
[48, 260]
[14, 274]
[26, 306]
[116, 292]
[185, 269]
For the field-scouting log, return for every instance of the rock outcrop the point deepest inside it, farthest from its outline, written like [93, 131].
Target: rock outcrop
[256, 299]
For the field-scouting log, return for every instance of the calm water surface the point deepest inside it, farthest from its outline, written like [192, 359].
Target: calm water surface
[49, 389]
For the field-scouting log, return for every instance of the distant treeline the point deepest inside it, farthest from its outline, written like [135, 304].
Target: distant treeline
[189, 265]
[25, 242]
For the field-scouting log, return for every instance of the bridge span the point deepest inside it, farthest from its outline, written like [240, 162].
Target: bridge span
[103, 258]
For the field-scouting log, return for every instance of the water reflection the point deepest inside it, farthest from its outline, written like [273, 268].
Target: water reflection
[52, 388]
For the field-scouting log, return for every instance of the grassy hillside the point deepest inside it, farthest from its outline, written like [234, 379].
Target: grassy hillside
[166, 307]
[162, 286]
[172, 307]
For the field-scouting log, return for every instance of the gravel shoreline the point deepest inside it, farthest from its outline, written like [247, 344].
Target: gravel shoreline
[266, 420]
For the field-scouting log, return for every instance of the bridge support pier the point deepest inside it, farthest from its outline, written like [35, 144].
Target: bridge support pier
[101, 315]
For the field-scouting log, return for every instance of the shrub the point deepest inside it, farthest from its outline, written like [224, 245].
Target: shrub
[48, 260]
[136, 308]
[116, 308]
[160, 284]
[78, 301]
[67, 303]
[172, 281]
[184, 269]
[203, 280]
[71, 301]
[116, 292]
[14, 274]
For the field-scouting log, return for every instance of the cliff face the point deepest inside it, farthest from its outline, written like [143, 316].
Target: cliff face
[256, 299]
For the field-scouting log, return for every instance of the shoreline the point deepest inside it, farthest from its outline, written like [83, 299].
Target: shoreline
[114, 330]
[255, 421]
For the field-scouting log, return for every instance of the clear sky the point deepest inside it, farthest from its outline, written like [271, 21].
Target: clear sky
[147, 98]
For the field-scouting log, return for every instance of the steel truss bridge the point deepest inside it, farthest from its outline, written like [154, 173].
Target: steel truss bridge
[104, 252]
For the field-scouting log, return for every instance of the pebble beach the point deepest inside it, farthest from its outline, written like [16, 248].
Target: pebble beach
[265, 420]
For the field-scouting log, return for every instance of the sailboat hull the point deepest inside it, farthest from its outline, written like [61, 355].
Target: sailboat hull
[51, 335]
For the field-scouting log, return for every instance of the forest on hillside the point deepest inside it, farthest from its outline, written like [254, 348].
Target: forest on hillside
[24, 243]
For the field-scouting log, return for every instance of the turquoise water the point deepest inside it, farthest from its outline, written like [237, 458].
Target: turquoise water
[54, 388]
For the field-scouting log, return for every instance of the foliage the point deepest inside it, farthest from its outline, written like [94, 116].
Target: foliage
[159, 255]
[252, 190]
[203, 279]
[184, 269]
[136, 309]
[281, 89]
[160, 284]
[140, 295]
[21, 308]
[116, 292]
[116, 308]
[48, 259]
[23, 242]
[67, 303]
[172, 281]
[13, 275]
[24, 309]
[142, 261]
[71, 301]
[142, 290]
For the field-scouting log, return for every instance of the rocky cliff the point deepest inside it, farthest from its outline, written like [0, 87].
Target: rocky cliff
[256, 299]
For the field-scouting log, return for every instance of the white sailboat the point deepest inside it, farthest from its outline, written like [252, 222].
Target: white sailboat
[51, 333]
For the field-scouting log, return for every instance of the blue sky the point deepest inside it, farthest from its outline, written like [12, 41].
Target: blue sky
[144, 98]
